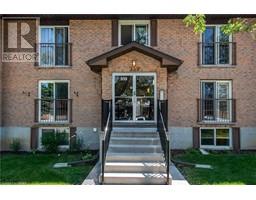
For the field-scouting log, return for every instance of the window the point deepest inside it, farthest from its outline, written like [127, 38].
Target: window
[215, 137]
[54, 46]
[133, 31]
[216, 101]
[54, 102]
[61, 135]
[216, 47]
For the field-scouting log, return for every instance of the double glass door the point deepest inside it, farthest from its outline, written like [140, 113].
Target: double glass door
[134, 97]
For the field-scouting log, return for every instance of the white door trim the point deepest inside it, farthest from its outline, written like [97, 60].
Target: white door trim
[134, 74]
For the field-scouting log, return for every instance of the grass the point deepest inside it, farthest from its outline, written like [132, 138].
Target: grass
[38, 169]
[228, 168]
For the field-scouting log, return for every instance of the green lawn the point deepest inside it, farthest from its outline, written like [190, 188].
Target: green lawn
[37, 169]
[228, 168]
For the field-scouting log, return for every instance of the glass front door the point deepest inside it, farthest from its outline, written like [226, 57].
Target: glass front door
[134, 97]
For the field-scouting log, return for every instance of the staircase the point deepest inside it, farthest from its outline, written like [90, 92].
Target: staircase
[135, 157]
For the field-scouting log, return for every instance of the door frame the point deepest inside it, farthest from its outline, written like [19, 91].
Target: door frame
[134, 74]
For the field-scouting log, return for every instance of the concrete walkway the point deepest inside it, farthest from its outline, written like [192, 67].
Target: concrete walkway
[93, 176]
[177, 177]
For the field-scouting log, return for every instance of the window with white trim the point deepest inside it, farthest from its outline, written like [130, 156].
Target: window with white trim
[215, 137]
[216, 46]
[60, 134]
[216, 101]
[134, 30]
[54, 102]
[54, 46]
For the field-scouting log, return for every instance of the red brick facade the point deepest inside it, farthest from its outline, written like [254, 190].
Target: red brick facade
[91, 38]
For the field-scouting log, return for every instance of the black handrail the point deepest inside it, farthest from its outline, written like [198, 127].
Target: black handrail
[165, 142]
[105, 142]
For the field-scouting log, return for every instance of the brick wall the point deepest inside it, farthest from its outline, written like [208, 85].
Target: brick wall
[93, 37]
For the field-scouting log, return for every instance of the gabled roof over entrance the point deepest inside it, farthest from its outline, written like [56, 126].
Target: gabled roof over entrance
[98, 62]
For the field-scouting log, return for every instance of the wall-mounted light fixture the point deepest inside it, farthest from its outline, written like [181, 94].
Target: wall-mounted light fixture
[134, 63]
[161, 95]
[76, 93]
[26, 93]
[134, 66]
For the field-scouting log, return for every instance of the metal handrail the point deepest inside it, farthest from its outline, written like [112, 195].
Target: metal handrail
[165, 143]
[105, 144]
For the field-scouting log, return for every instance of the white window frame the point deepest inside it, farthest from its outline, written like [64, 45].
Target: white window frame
[215, 147]
[215, 94]
[216, 53]
[61, 147]
[133, 23]
[55, 26]
[39, 97]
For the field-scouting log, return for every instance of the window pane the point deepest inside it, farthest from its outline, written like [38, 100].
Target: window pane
[207, 137]
[222, 137]
[141, 34]
[47, 46]
[123, 109]
[208, 100]
[61, 101]
[47, 101]
[61, 47]
[62, 136]
[223, 48]
[208, 46]
[126, 34]
[145, 86]
[61, 90]
[123, 86]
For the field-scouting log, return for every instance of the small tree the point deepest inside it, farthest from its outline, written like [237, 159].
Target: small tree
[15, 145]
[233, 26]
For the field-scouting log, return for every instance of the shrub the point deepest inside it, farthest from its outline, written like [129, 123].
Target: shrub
[50, 142]
[15, 145]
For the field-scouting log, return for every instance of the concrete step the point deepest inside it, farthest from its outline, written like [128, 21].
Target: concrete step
[134, 134]
[134, 157]
[136, 178]
[135, 140]
[145, 167]
[126, 148]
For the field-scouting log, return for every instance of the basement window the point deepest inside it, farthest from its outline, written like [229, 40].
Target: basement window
[61, 135]
[215, 138]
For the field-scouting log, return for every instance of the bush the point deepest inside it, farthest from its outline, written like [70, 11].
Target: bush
[50, 142]
[76, 144]
[15, 145]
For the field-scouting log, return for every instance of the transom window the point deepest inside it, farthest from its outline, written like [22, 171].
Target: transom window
[54, 46]
[218, 137]
[133, 31]
[216, 47]
[54, 103]
[60, 135]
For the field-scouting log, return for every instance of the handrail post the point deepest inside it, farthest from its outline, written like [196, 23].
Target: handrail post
[168, 160]
[102, 160]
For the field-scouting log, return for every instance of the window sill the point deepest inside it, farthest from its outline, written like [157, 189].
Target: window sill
[215, 123]
[217, 66]
[54, 67]
[212, 147]
[53, 124]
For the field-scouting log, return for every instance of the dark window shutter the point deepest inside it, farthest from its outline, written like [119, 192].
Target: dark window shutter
[236, 138]
[196, 138]
[34, 138]
[153, 32]
[114, 32]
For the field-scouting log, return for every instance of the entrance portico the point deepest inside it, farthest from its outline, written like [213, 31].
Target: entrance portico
[132, 78]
